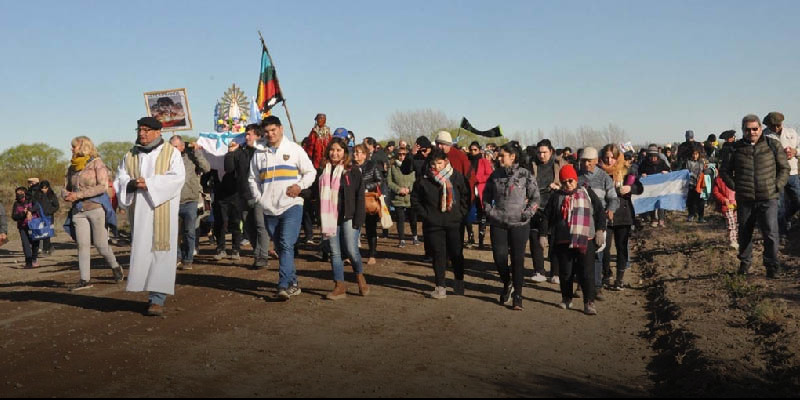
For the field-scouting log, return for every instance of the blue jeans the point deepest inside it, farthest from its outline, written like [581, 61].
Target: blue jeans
[789, 203]
[158, 298]
[765, 215]
[187, 214]
[283, 230]
[349, 236]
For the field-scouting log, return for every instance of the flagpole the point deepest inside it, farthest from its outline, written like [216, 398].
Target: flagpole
[289, 117]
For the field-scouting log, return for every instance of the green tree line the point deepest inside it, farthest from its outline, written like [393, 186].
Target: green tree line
[45, 162]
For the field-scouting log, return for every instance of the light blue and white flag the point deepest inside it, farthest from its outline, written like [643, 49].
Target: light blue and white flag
[215, 146]
[663, 191]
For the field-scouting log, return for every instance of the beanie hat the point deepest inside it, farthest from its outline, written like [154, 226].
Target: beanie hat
[444, 137]
[773, 118]
[689, 135]
[423, 142]
[652, 149]
[589, 153]
[567, 172]
[340, 132]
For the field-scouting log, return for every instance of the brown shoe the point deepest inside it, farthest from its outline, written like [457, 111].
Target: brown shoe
[372, 261]
[155, 310]
[363, 289]
[339, 292]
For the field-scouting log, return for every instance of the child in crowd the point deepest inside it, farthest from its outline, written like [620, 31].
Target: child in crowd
[727, 206]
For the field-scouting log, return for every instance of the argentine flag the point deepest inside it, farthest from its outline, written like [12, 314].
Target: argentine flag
[663, 191]
[215, 146]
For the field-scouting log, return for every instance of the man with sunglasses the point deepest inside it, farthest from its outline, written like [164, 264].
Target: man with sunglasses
[758, 172]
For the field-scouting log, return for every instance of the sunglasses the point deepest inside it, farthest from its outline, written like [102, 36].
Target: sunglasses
[568, 181]
[751, 129]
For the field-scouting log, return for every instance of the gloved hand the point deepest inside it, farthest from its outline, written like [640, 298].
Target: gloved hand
[543, 242]
[600, 238]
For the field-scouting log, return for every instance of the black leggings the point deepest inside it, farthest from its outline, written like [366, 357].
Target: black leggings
[573, 264]
[372, 234]
[620, 236]
[446, 244]
[537, 254]
[401, 221]
[513, 241]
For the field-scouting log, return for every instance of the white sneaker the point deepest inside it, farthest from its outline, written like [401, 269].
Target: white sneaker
[554, 280]
[735, 245]
[439, 293]
[538, 278]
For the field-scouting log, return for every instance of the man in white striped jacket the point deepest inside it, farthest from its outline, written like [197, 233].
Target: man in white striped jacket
[278, 172]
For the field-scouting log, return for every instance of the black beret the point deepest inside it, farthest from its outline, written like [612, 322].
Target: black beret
[149, 122]
[391, 143]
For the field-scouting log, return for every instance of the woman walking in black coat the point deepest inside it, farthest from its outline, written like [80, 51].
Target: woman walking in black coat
[373, 178]
[441, 198]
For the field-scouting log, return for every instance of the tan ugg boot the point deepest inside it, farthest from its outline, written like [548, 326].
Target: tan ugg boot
[363, 289]
[339, 292]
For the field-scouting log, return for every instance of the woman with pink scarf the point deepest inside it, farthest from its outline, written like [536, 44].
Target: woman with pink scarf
[341, 198]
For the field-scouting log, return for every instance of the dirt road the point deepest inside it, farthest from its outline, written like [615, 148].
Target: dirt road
[224, 336]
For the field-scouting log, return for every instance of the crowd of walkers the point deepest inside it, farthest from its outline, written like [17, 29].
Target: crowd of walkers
[567, 207]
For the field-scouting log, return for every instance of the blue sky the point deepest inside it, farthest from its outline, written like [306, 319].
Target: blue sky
[653, 68]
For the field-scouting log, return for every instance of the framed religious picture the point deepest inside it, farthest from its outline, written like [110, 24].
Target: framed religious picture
[171, 107]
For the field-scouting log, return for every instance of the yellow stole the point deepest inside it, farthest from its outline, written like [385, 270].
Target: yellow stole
[161, 236]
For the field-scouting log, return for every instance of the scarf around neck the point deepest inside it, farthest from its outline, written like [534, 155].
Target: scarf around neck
[576, 211]
[322, 132]
[140, 148]
[78, 163]
[329, 185]
[161, 213]
[443, 179]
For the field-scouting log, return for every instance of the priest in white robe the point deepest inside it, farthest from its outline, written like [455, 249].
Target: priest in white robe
[148, 184]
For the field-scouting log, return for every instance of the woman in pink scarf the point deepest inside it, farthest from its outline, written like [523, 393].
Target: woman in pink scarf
[342, 214]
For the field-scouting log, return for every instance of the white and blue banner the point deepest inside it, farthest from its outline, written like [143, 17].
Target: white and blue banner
[663, 191]
[215, 146]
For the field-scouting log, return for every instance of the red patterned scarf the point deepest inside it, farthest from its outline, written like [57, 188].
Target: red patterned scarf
[576, 211]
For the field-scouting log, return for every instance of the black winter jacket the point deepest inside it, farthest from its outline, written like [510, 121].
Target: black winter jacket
[426, 201]
[756, 172]
[238, 164]
[415, 164]
[48, 201]
[625, 214]
[553, 222]
[371, 175]
[652, 169]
